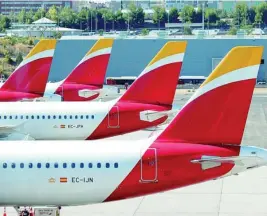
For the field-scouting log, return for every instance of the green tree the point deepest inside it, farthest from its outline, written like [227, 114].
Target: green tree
[19, 58]
[119, 20]
[211, 15]
[137, 16]
[251, 15]
[160, 16]
[68, 17]
[39, 14]
[233, 30]
[187, 14]
[52, 13]
[109, 18]
[22, 16]
[83, 17]
[144, 32]
[5, 23]
[261, 13]
[197, 16]
[241, 15]
[173, 15]
[29, 17]
[187, 30]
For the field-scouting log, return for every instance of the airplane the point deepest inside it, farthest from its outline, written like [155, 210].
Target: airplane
[29, 79]
[85, 82]
[146, 103]
[202, 143]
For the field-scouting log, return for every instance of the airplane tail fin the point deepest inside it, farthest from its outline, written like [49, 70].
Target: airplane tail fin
[157, 83]
[217, 112]
[91, 70]
[32, 73]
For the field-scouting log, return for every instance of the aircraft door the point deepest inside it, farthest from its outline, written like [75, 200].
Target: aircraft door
[149, 167]
[114, 118]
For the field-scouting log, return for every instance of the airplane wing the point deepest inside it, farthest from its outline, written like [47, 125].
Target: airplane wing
[6, 130]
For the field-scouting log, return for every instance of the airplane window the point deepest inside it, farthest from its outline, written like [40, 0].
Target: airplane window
[70, 116]
[81, 165]
[13, 165]
[32, 117]
[10, 117]
[16, 117]
[27, 117]
[47, 165]
[59, 116]
[56, 165]
[116, 165]
[39, 165]
[21, 165]
[54, 117]
[0, 117]
[81, 117]
[64, 165]
[65, 117]
[87, 116]
[30, 165]
[4, 117]
[43, 117]
[92, 117]
[90, 165]
[4, 165]
[37, 117]
[98, 165]
[107, 165]
[76, 117]
[21, 117]
[72, 165]
[48, 116]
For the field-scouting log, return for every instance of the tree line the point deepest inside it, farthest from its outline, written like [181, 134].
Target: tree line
[104, 18]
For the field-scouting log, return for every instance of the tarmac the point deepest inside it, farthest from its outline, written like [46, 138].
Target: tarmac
[242, 195]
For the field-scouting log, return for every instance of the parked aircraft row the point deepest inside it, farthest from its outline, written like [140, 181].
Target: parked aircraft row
[147, 103]
[201, 143]
[84, 83]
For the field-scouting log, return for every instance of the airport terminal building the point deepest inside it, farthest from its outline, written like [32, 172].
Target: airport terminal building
[130, 56]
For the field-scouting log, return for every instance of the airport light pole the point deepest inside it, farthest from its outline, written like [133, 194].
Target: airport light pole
[91, 13]
[203, 16]
[128, 21]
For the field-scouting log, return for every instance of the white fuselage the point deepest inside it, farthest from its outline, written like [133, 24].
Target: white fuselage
[105, 165]
[53, 120]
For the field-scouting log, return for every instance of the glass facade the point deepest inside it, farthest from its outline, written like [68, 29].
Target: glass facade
[8, 6]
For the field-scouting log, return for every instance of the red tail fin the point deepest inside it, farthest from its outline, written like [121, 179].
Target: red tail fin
[32, 74]
[218, 110]
[157, 83]
[92, 68]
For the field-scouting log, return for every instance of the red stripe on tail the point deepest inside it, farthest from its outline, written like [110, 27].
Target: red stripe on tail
[155, 87]
[30, 78]
[217, 117]
[90, 72]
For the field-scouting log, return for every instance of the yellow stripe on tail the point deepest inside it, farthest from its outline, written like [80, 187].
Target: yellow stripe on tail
[233, 61]
[101, 44]
[169, 49]
[42, 45]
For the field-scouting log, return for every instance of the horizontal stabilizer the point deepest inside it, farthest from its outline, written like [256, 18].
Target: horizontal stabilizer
[150, 115]
[244, 162]
[87, 93]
